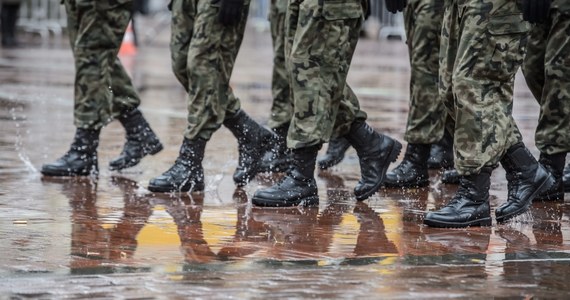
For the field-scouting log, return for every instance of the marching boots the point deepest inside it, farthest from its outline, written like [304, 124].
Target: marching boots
[441, 155]
[335, 153]
[297, 187]
[80, 160]
[566, 179]
[253, 140]
[526, 179]
[141, 141]
[412, 171]
[375, 152]
[555, 165]
[186, 174]
[468, 207]
[276, 158]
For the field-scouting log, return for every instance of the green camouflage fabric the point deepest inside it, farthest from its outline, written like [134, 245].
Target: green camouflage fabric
[546, 70]
[103, 89]
[321, 39]
[282, 107]
[482, 47]
[203, 53]
[427, 113]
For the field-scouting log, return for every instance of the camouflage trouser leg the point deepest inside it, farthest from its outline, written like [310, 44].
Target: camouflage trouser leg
[203, 55]
[427, 114]
[547, 73]
[282, 108]
[96, 29]
[491, 42]
[323, 37]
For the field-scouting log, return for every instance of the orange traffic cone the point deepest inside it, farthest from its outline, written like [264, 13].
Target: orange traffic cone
[128, 46]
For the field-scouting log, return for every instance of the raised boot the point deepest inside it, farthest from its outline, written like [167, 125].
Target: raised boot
[468, 207]
[297, 187]
[441, 153]
[276, 158]
[375, 152]
[526, 179]
[186, 174]
[335, 153]
[80, 160]
[566, 179]
[141, 141]
[412, 171]
[253, 140]
[555, 165]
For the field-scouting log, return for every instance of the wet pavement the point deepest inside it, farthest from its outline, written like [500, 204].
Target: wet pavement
[111, 238]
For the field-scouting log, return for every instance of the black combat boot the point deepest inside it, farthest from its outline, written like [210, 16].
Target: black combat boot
[276, 158]
[297, 187]
[526, 179]
[555, 165]
[335, 153]
[441, 155]
[450, 176]
[253, 140]
[566, 179]
[81, 159]
[375, 152]
[141, 141]
[186, 174]
[8, 19]
[468, 207]
[412, 171]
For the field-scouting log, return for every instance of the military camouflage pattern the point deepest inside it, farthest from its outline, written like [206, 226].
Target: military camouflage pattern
[547, 72]
[482, 47]
[282, 107]
[96, 29]
[321, 37]
[203, 53]
[427, 114]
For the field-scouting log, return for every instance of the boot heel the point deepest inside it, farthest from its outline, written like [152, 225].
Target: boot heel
[395, 152]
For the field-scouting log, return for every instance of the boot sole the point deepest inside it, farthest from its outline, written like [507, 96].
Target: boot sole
[198, 187]
[307, 201]
[545, 185]
[479, 222]
[392, 157]
[154, 150]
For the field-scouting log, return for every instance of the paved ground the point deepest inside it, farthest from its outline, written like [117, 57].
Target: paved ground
[111, 238]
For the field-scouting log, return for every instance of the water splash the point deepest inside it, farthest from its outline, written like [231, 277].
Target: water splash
[19, 144]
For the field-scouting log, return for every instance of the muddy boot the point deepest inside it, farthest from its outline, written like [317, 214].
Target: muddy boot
[412, 171]
[335, 153]
[566, 179]
[297, 187]
[526, 179]
[468, 207]
[253, 140]
[375, 152]
[450, 176]
[555, 165]
[441, 154]
[141, 141]
[186, 174]
[276, 158]
[80, 160]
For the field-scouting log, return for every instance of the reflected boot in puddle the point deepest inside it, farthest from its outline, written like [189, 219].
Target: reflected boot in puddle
[187, 173]
[468, 207]
[412, 171]
[335, 153]
[375, 153]
[555, 165]
[81, 159]
[277, 157]
[441, 153]
[141, 141]
[450, 176]
[253, 140]
[372, 237]
[566, 179]
[297, 187]
[526, 179]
